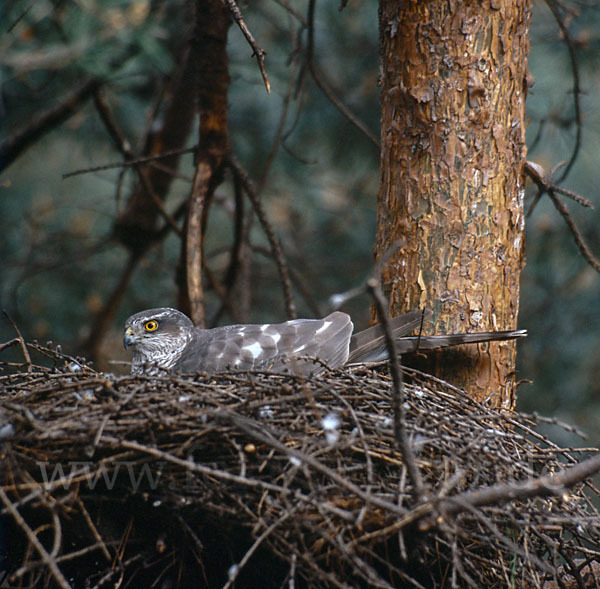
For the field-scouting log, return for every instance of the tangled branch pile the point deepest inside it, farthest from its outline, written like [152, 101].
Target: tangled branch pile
[267, 480]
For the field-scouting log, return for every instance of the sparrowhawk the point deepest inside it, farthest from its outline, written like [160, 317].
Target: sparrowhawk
[166, 339]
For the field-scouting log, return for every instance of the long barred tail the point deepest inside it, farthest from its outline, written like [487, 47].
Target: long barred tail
[369, 345]
[433, 342]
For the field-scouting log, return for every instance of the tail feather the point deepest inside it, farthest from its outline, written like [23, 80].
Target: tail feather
[372, 340]
[433, 342]
[369, 345]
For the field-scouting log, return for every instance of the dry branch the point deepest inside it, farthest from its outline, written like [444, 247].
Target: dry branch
[555, 7]
[400, 436]
[236, 14]
[278, 256]
[131, 163]
[320, 80]
[12, 147]
[546, 185]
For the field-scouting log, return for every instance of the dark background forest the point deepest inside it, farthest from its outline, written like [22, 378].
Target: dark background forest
[318, 175]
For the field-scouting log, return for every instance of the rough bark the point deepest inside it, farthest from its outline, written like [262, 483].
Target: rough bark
[451, 191]
[212, 79]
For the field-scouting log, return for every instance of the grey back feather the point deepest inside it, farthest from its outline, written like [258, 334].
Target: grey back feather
[283, 347]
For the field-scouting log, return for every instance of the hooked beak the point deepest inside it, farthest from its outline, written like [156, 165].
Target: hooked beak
[129, 339]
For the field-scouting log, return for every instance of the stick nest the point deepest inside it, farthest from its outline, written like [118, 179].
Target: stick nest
[261, 480]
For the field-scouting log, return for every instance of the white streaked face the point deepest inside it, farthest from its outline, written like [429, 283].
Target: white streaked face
[156, 338]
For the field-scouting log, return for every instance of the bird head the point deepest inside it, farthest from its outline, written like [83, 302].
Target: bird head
[156, 335]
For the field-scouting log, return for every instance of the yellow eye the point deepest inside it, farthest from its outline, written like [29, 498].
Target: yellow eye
[151, 325]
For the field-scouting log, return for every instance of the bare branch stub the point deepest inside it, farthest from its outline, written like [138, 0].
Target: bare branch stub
[584, 250]
[546, 185]
[256, 50]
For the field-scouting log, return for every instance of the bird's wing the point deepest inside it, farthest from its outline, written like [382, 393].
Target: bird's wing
[280, 347]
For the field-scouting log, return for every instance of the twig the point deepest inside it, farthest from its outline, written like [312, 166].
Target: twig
[62, 558]
[292, 573]
[242, 563]
[113, 571]
[21, 342]
[9, 344]
[552, 5]
[20, 17]
[402, 441]
[540, 487]
[111, 126]
[303, 457]
[279, 134]
[584, 250]
[124, 147]
[546, 185]
[41, 124]
[57, 528]
[538, 136]
[236, 268]
[194, 241]
[88, 520]
[318, 77]
[134, 162]
[299, 281]
[274, 242]
[573, 196]
[104, 318]
[49, 561]
[256, 50]
[295, 13]
[224, 295]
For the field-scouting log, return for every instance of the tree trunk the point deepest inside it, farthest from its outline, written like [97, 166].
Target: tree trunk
[210, 47]
[451, 192]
